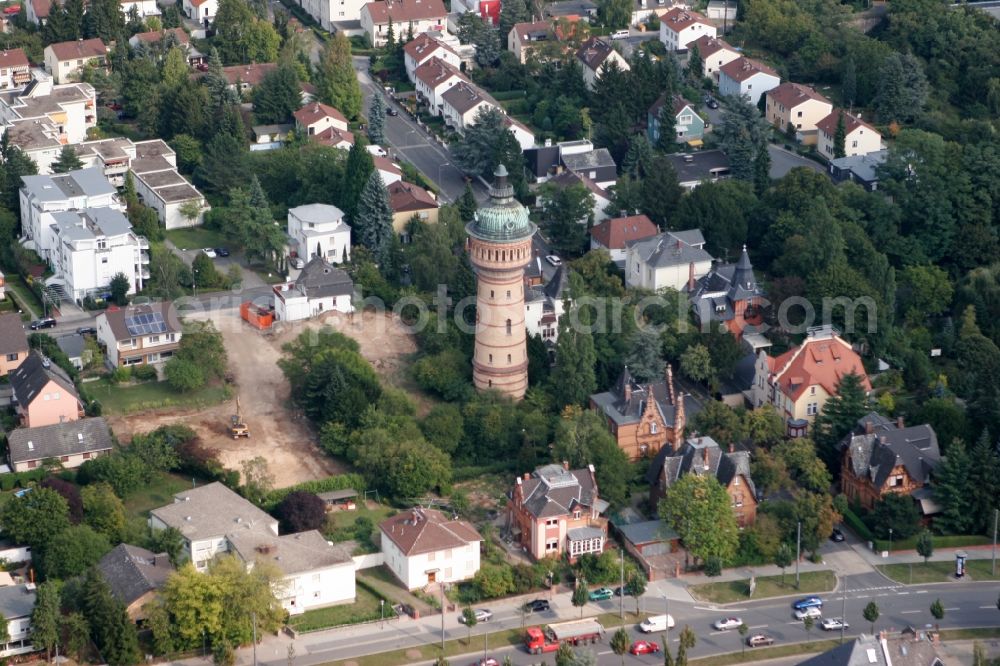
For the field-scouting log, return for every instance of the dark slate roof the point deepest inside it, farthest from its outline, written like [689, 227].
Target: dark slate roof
[557, 285]
[701, 455]
[875, 454]
[72, 345]
[116, 318]
[32, 376]
[649, 531]
[17, 601]
[592, 159]
[60, 439]
[554, 491]
[724, 286]
[131, 571]
[672, 248]
[614, 405]
[319, 279]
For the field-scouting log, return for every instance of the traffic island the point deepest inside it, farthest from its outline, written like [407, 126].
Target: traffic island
[727, 592]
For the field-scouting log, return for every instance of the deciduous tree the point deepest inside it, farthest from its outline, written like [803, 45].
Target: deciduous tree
[35, 518]
[336, 80]
[699, 509]
[301, 511]
[72, 551]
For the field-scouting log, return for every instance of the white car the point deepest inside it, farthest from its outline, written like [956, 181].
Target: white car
[554, 260]
[812, 612]
[833, 624]
[728, 623]
[377, 151]
[209, 252]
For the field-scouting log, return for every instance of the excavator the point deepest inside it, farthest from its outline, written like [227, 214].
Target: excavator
[237, 428]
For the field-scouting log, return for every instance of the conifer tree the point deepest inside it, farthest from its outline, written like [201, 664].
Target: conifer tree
[951, 491]
[574, 377]
[376, 120]
[356, 173]
[840, 413]
[373, 222]
[840, 137]
[68, 161]
[467, 205]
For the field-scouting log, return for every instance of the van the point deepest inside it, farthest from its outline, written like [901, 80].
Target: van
[656, 623]
[620, 34]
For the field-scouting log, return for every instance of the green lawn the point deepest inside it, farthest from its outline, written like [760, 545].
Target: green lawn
[159, 492]
[124, 399]
[452, 648]
[760, 654]
[364, 609]
[340, 524]
[24, 296]
[767, 586]
[192, 238]
[938, 572]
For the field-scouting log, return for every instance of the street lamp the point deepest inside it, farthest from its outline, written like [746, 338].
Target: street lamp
[381, 611]
[890, 541]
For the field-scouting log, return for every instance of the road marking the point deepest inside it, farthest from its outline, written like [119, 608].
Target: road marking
[717, 633]
[601, 654]
[987, 606]
[902, 593]
[952, 609]
[908, 612]
[764, 626]
[922, 591]
[795, 622]
[709, 608]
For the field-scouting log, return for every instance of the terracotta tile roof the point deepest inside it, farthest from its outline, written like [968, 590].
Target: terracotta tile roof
[79, 48]
[818, 361]
[41, 8]
[435, 71]
[524, 31]
[594, 52]
[851, 122]
[404, 11]
[332, 136]
[421, 46]
[154, 36]
[742, 69]
[251, 74]
[678, 18]
[790, 95]
[614, 233]
[315, 111]
[677, 103]
[407, 197]
[385, 164]
[708, 45]
[13, 58]
[428, 531]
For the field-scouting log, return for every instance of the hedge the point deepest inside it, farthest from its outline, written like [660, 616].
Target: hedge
[22, 479]
[337, 482]
[857, 525]
[949, 541]
[509, 95]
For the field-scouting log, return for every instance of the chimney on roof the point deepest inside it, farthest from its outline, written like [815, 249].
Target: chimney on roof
[628, 391]
[869, 427]
[690, 273]
[566, 465]
[527, 476]
[732, 447]
[899, 422]
[704, 456]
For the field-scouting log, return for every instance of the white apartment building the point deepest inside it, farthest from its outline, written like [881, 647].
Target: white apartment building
[319, 230]
[76, 190]
[424, 546]
[674, 259]
[163, 189]
[422, 15]
[65, 60]
[329, 12]
[15, 70]
[87, 248]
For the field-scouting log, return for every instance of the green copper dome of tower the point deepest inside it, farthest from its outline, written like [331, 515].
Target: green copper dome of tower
[504, 219]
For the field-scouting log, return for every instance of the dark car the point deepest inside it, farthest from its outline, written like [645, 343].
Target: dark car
[47, 322]
[86, 330]
[537, 606]
[392, 112]
[808, 602]
[221, 252]
[711, 103]
[836, 535]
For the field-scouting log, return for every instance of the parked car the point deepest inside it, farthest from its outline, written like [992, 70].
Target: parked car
[208, 252]
[757, 640]
[808, 602]
[86, 330]
[222, 251]
[833, 624]
[554, 260]
[836, 535]
[537, 606]
[601, 594]
[377, 151]
[811, 611]
[644, 647]
[482, 615]
[727, 623]
[486, 661]
[391, 112]
[46, 322]
[711, 103]
[298, 262]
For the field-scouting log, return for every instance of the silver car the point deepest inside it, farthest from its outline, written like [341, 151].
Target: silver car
[728, 623]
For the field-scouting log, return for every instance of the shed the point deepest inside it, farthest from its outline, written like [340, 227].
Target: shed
[340, 499]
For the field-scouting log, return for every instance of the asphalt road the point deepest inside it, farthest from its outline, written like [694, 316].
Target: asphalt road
[966, 605]
[411, 143]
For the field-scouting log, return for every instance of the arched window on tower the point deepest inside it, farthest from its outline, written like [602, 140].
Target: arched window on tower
[508, 358]
[508, 325]
[491, 359]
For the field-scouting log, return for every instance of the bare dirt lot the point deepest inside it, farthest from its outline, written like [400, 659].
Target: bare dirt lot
[279, 432]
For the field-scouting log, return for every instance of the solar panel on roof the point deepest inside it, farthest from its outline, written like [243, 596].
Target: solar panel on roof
[145, 324]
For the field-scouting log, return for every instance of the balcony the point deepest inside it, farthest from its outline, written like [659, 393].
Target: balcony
[143, 242]
[145, 272]
[144, 257]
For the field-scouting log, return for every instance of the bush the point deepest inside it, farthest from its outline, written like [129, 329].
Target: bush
[144, 373]
[713, 567]
[493, 581]
[852, 520]
[184, 375]
[301, 511]
[120, 374]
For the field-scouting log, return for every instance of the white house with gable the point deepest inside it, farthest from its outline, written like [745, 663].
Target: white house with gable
[318, 289]
[424, 546]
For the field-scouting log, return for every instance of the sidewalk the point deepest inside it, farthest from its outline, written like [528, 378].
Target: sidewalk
[911, 557]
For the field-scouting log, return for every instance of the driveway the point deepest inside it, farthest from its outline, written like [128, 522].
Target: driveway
[783, 161]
